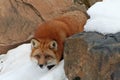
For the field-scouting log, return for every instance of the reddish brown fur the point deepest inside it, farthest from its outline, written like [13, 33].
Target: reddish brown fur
[61, 28]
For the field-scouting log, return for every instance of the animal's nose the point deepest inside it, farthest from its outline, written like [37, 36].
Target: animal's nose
[41, 65]
[51, 66]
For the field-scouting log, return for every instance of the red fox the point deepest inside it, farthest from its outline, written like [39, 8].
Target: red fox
[48, 41]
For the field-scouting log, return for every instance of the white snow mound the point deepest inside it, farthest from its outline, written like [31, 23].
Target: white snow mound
[17, 65]
[104, 17]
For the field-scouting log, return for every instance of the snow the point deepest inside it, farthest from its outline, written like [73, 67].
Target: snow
[17, 65]
[104, 17]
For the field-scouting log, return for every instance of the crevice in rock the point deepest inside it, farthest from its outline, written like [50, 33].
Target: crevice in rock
[83, 2]
[34, 9]
[13, 7]
[29, 5]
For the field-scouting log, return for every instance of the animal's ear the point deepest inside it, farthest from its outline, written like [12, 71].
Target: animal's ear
[35, 43]
[53, 45]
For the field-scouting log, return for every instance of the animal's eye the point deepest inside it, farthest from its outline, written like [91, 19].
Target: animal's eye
[37, 56]
[53, 45]
[48, 56]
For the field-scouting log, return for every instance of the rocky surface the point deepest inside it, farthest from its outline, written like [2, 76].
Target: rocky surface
[84, 4]
[92, 56]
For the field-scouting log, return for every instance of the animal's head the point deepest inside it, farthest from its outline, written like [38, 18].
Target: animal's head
[45, 52]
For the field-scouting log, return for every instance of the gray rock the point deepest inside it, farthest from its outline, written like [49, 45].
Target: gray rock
[92, 56]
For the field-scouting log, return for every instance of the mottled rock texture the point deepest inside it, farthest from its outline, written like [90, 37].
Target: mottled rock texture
[92, 56]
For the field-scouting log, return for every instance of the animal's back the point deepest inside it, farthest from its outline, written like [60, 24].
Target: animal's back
[63, 26]
[75, 21]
